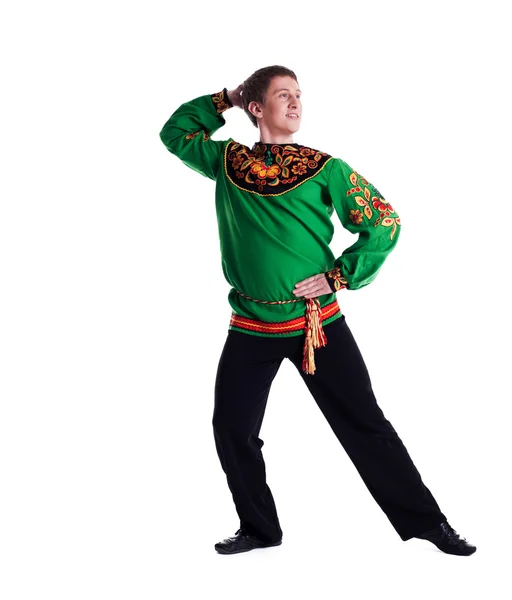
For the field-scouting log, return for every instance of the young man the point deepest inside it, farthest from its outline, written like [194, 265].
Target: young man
[274, 205]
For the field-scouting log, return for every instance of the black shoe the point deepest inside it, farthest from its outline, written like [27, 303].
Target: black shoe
[447, 540]
[242, 542]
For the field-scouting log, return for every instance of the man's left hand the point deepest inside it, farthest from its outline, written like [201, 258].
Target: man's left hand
[312, 287]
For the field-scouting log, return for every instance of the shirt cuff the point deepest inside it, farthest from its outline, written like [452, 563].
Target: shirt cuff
[335, 280]
[221, 101]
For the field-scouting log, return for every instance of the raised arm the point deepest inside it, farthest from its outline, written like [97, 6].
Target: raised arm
[187, 133]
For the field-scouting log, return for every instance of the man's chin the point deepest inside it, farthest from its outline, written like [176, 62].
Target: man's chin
[293, 128]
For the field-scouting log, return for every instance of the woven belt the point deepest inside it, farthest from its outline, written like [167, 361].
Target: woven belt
[315, 335]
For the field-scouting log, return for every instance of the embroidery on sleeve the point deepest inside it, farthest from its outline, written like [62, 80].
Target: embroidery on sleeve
[221, 101]
[335, 279]
[386, 218]
[191, 136]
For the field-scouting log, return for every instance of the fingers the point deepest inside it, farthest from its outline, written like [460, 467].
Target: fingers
[309, 294]
[310, 283]
[312, 287]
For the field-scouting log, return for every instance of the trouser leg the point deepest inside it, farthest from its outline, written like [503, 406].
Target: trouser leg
[342, 388]
[247, 367]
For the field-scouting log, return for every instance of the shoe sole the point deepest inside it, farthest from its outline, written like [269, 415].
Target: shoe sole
[446, 549]
[222, 551]
[457, 553]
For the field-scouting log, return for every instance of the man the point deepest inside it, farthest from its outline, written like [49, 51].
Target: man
[274, 204]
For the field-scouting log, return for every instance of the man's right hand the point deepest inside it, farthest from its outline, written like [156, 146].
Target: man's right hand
[234, 96]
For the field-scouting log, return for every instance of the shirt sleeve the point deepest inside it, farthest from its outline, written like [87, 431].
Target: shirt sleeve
[361, 209]
[187, 133]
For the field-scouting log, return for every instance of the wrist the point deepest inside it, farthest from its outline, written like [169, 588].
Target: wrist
[232, 97]
[335, 280]
[222, 101]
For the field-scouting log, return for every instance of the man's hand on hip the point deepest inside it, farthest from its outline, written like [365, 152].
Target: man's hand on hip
[314, 286]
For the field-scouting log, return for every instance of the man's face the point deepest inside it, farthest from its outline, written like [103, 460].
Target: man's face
[283, 100]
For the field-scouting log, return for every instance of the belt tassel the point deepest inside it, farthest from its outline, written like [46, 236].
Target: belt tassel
[315, 335]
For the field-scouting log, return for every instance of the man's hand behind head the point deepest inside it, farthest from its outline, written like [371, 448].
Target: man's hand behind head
[235, 97]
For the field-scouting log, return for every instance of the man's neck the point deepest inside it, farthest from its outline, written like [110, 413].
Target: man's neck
[276, 141]
[275, 137]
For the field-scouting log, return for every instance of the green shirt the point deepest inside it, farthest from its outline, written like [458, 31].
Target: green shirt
[274, 204]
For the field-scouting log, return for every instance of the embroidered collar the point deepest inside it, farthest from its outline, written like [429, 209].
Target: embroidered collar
[257, 145]
[272, 169]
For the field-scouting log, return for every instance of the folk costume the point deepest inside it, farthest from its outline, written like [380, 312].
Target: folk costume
[274, 205]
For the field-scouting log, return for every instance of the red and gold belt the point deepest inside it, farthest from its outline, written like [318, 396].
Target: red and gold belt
[315, 335]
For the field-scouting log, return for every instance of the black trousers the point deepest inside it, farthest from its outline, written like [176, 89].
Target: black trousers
[342, 389]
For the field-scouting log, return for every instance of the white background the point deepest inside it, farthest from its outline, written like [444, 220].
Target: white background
[114, 308]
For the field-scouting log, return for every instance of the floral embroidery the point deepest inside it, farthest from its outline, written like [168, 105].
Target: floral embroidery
[221, 101]
[335, 280]
[191, 136]
[356, 216]
[277, 168]
[372, 198]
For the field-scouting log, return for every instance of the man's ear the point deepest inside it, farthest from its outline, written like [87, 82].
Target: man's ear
[254, 109]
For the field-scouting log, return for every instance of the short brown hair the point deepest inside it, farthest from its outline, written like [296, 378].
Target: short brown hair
[255, 87]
